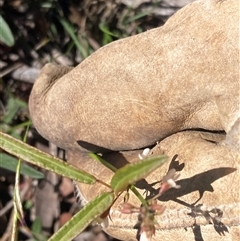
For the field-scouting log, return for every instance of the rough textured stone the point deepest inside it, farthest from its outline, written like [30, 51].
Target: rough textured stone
[153, 87]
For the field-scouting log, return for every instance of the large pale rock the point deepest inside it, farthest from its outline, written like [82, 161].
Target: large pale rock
[206, 207]
[138, 90]
[152, 87]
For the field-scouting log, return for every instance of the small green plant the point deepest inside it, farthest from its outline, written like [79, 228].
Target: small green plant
[123, 179]
[151, 208]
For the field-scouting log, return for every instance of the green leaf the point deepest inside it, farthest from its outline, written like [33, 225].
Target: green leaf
[28, 204]
[84, 217]
[104, 28]
[13, 106]
[6, 35]
[44, 160]
[36, 226]
[102, 161]
[138, 16]
[37, 231]
[10, 163]
[133, 172]
[69, 28]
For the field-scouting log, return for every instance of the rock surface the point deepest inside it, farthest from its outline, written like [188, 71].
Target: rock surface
[156, 87]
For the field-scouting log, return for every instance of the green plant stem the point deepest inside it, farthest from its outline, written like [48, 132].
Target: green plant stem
[102, 161]
[26, 123]
[138, 195]
[104, 183]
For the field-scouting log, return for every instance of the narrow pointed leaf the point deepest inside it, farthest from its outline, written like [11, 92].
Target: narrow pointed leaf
[102, 161]
[133, 172]
[69, 28]
[104, 28]
[44, 160]
[6, 35]
[84, 217]
[10, 163]
[36, 227]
